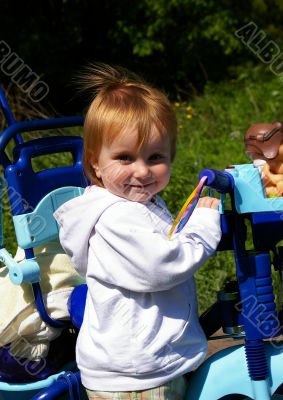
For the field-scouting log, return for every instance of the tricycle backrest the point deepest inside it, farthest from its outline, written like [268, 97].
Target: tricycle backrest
[39, 226]
[26, 188]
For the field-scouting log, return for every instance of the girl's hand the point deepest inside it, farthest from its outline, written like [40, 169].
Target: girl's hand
[208, 202]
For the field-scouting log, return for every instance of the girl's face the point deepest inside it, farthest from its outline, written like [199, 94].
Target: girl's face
[131, 173]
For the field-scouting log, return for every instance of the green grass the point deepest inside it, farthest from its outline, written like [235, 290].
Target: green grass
[211, 130]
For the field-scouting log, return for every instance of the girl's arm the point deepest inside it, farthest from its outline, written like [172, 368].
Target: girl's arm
[129, 249]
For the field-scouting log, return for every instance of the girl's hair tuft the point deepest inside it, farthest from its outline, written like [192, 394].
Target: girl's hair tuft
[97, 77]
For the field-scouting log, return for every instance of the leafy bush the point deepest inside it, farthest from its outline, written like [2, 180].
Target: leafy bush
[178, 44]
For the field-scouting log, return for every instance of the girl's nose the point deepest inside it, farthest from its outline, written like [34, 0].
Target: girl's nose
[141, 169]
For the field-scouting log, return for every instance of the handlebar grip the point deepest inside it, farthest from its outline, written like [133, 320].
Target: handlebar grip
[221, 181]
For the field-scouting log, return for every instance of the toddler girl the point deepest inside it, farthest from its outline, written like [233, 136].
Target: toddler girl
[140, 332]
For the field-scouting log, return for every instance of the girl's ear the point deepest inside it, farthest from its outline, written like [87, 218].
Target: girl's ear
[93, 162]
[96, 169]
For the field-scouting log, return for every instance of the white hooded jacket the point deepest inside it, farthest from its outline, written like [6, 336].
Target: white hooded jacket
[140, 326]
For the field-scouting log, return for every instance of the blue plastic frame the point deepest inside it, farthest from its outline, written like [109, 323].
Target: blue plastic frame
[249, 192]
[36, 195]
[255, 369]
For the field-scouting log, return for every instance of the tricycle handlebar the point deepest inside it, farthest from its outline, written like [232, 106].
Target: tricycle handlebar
[221, 181]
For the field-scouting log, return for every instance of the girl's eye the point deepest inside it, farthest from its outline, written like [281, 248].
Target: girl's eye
[124, 158]
[156, 157]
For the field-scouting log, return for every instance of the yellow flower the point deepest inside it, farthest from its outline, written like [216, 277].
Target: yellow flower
[177, 104]
[189, 116]
[180, 126]
[189, 108]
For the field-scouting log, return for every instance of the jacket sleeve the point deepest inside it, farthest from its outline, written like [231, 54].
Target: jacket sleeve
[140, 257]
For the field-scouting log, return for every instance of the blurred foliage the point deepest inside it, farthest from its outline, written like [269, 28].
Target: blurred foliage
[179, 45]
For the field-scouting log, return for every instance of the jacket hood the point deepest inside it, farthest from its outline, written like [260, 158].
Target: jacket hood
[77, 219]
